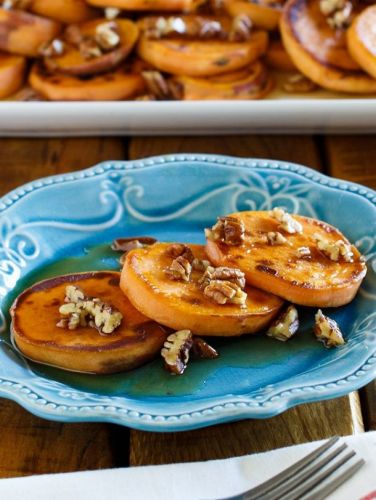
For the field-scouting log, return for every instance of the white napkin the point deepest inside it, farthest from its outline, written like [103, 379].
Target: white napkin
[190, 481]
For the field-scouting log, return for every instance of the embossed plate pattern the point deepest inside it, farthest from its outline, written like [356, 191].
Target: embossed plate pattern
[174, 198]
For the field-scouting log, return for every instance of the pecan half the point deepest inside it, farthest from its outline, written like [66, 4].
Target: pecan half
[180, 250]
[327, 330]
[285, 326]
[229, 230]
[176, 351]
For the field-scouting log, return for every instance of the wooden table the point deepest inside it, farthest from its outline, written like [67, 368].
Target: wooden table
[30, 445]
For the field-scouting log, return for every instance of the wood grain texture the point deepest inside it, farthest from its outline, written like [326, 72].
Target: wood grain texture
[28, 444]
[354, 159]
[304, 423]
[23, 160]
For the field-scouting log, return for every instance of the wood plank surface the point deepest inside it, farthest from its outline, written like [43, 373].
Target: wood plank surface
[300, 424]
[355, 160]
[28, 444]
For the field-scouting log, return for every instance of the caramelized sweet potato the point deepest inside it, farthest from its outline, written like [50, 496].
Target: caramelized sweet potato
[202, 58]
[65, 11]
[183, 305]
[250, 83]
[114, 86]
[296, 269]
[73, 62]
[170, 5]
[320, 51]
[35, 315]
[12, 74]
[264, 14]
[277, 57]
[23, 33]
[361, 40]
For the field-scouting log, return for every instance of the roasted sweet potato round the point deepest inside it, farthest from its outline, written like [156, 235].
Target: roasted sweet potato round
[35, 315]
[263, 13]
[295, 269]
[12, 74]
[24, 33]
[183, 305]
[320, 51]
[114, 86]
[361, 40]
[201, 58]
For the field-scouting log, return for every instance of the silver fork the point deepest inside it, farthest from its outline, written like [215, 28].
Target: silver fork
[304, 476]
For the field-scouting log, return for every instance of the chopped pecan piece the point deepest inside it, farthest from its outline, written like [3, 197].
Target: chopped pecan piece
[80, 310]
[73, 35]
[200, 264]
[111, 13]
[287, 222]
[180, 250]
[285, 326]
[224, 292]
[176, 351]
[229, 230]
[107, 36]
[304, 251]
[52, 49]
[327, 330]
[201, 349]
[337, 12]
[335, 251]
[275, 238]
[89, 48]
[180, 269]
[234, 275]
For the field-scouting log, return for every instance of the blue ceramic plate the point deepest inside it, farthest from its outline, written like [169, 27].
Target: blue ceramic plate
[64, 224]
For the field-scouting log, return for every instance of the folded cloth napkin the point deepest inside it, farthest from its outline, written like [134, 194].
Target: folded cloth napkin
[190, 481]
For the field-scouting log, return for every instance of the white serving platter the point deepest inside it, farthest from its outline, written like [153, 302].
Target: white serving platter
[319, 114]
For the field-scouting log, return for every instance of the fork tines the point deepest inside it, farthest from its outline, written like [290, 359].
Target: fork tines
[304, 476]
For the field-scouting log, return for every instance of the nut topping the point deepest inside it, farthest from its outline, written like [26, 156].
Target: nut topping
[80, 310]
[201, 349]
[200, 265]
[299, 83]
[287, 222]
[125, 245]
[111, 13]
[89, 48]
[161, 88]
[275, 238]
[16, 4]
[241, 29]
[285, 326]
[107, 36]
[180, 250]
[229, 230]
[52, 49]
[304, 252]
[176, 351]
[335, 251]
[327, 330]
[180, 269]
[234, 275]
[337, 12]
[224, 292]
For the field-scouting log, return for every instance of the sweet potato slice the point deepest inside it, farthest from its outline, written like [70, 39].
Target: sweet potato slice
[296, 269]
[319, 51]
[23, 33]
[65, 11]
[12, 74]
[264, 14]
[35, 315]
[361, 40]
[250, 83]
[183, 305]
[114, 86]
[201, 58]
[277, 57]
[152, 5]
[73, 62]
